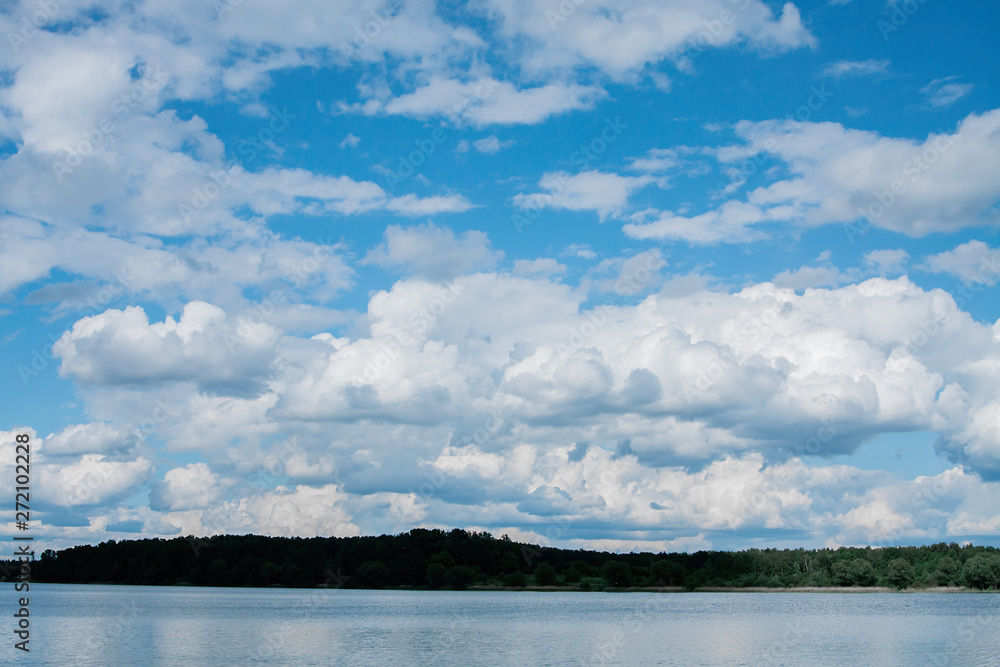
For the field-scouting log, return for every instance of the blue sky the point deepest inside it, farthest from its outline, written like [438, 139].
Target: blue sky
[614, 274]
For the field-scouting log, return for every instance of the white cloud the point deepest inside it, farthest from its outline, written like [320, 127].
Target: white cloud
[888, 261]
[433, 252]
[411, 205]
[113, 269]
[580, 250]
[304, 512]
[825, 275]
[604, 193]
[942, 93]
[203, 346]
[620, 37]
[194, 486]
[732, 223]
[657, 160]
[92, 438]
[859, 178]
[491, 144]
[485, 101]
[843, 68]
[491, 385]
[671, 375]
[92, 480]
[542, 266]
[351, 140]
[973, 262]
[663, 418]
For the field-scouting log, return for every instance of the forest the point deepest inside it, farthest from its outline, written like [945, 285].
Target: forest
[458, 559]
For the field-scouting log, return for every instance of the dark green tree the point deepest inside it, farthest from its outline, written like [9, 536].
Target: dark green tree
[436, 573]
[666, 573]
[460, 577]
[517, 579]
[900, 573]
[947, 571]
[371, 574]
[854, 572]
[545, 574]
[617, 574]
[982, 571]
[270, 573]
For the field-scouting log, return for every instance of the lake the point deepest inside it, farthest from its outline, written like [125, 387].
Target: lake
[144, 625]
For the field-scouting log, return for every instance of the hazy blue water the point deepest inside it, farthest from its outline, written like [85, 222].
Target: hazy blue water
[140, 625]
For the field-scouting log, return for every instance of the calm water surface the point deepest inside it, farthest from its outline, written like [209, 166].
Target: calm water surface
[140, 625]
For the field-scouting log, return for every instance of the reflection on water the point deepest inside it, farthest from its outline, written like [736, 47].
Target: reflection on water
[140, 625]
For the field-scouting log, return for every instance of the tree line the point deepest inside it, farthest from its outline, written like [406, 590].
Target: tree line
[459, 559]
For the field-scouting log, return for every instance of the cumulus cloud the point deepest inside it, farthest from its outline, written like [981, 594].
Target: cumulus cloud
[109, 269]
[671, 376]
[888, 261]
[972, 262]
[659, 408]
[202, 346]
[304, 511]
[856, 178]
[91, 438]
[194, 486]
[93, 479]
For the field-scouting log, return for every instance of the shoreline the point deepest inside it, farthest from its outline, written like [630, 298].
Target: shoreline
[723, 589]
[855, 590]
